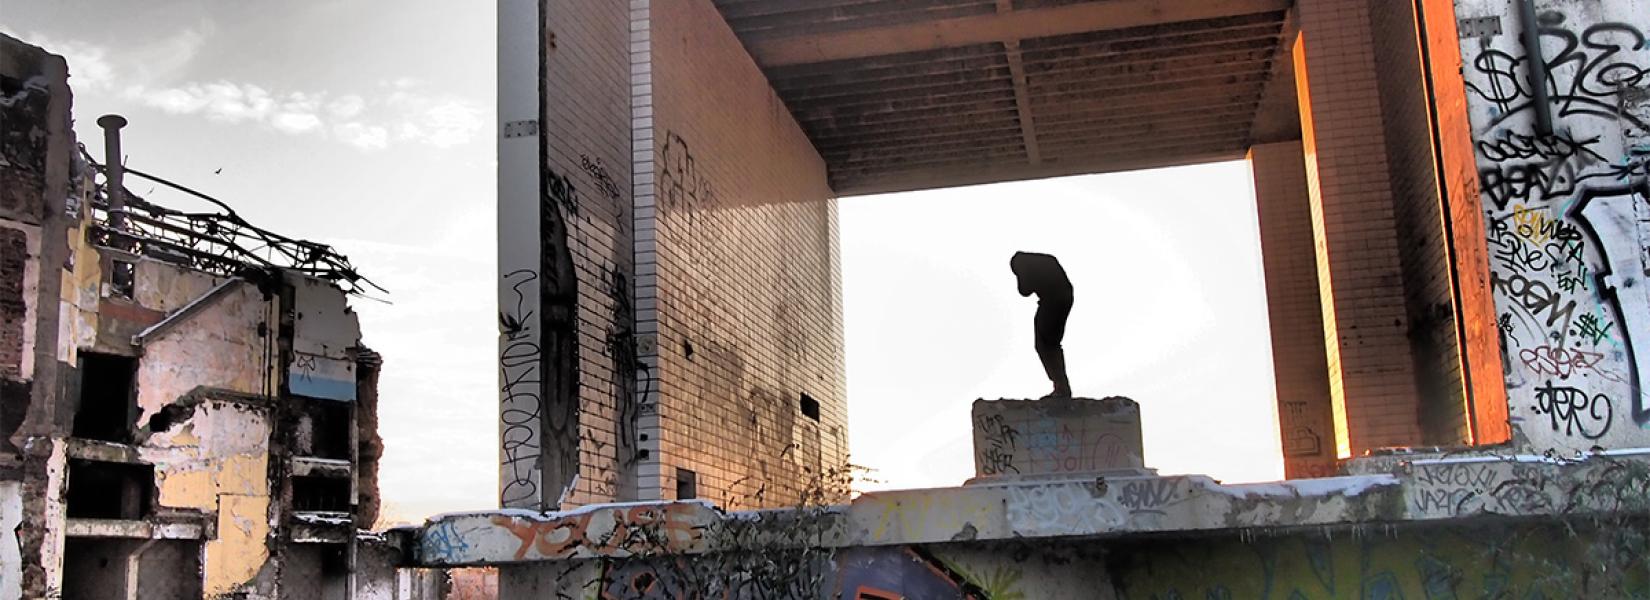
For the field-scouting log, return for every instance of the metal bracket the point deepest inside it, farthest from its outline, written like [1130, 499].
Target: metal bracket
[1480, 27]
[515, 129]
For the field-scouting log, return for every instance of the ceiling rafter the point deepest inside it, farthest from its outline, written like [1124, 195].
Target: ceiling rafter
[1016, 25]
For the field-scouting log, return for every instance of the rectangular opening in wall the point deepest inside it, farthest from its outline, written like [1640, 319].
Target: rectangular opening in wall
[102, 490]
[319, 571]
[96, 567]
[324, 428]
[687, 484]
[168, 569]
[810, 407]
[123, 278]
[320, 494]
[108, 402]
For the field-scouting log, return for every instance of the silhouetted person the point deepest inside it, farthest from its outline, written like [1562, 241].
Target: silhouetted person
[1041, 274]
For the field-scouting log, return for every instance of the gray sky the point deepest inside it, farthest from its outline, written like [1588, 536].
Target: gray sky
[367, 125]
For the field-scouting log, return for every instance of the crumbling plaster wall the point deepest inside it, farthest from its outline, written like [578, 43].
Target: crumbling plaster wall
[225, 347]
[36, 164]
[1567, 213]
[11, 558]
[738, 272]
[209, 374]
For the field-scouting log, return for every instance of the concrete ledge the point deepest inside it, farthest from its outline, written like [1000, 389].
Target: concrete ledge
[101, 451]
[1088, 508]
[305, 466]
[137, 530]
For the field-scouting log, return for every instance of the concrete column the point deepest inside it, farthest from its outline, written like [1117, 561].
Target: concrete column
[1370, 363]
[1299, 362]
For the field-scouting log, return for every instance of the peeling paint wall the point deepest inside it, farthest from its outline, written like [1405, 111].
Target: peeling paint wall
[1563, 151]
[36, 164]
[11, 557]
[220, 347]
[217, 462]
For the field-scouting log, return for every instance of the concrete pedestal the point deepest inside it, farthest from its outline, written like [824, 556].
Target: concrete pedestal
[1057, 439]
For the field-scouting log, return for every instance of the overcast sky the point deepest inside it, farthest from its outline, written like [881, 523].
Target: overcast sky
[367, 125]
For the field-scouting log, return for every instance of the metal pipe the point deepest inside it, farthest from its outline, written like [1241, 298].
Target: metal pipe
[1538, 68]
[114, 172]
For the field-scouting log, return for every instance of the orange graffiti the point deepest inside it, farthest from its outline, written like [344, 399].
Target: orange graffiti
[633, 530]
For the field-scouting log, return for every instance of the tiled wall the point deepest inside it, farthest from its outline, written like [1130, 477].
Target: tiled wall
[1371, 368]
[587, 135]
[1298, 359]
[1423, 247]
[738, 272]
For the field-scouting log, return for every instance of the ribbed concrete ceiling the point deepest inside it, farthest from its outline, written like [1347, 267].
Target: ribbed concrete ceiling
[912, 94]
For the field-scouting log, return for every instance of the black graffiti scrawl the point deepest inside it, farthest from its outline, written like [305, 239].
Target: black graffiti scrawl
[1562, 134]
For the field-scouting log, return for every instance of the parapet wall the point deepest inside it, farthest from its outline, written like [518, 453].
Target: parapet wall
[1500, 519]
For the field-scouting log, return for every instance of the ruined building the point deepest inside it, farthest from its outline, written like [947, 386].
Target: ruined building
[186, 407]
[1454, 207]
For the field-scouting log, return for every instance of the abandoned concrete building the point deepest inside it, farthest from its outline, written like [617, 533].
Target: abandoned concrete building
[186, 407]
[1454, 207]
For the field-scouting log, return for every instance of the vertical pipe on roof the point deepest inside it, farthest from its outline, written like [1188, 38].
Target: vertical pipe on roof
[116, 172]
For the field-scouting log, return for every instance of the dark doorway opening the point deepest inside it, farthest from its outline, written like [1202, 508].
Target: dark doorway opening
[103, 490]
[108, 398]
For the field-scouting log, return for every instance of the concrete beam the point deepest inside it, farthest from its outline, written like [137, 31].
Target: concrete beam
[1277, 117]
[101, 451]
[135, 530]
[1001, 27]
[1416, 491]
[320, 467]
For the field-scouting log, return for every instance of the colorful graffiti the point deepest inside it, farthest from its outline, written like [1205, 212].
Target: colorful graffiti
[1563, 152]
[1505, 562]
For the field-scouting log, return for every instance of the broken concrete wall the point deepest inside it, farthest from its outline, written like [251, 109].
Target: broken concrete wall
[1563, 151]
[36, 168]
[325, 336]
[1519, 561]
[739, 275]
[217, 462]
[11, 557]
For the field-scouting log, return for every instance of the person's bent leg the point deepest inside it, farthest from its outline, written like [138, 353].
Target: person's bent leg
[1050, 329]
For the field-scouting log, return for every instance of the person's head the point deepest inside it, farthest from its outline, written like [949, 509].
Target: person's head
[1015, 262]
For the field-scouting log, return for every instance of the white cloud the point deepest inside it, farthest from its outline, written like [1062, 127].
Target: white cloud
[402, 115]
[404, 110]
[346, 106]
[362, 136]
[295, 122]
[438, 121]
[89, 66]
